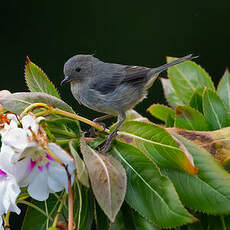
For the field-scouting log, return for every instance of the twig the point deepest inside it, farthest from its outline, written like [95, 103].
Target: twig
[70, 201]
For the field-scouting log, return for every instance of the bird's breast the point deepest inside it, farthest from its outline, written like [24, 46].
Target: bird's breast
[92, 99]
[121, 99]
[76, 91]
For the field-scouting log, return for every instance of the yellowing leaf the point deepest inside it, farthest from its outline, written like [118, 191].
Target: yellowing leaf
[217, 142]
[82, 173]
[108, 179]
[209, 191]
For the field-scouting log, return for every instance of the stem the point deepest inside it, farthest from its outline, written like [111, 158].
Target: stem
[223, 222]
[70, 224]
[80, 205]
[6, 221]
[23, 197]
[64, 141]
[58, 212]
[77, 117]
[42, 113]
[35, 207]
[63, 132]
[70, 201]
[50, 109]
[47, 213]
[33, 106]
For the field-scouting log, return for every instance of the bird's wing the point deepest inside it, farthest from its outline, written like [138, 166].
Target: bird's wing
[135, 74]
[109, 80]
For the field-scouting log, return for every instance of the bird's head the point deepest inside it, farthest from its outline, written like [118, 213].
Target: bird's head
[78, 68]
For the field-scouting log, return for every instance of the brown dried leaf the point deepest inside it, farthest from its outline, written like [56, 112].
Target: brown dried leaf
[215, 142]
[108, 179]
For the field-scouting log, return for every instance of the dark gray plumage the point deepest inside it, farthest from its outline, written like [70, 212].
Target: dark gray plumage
[110, 88]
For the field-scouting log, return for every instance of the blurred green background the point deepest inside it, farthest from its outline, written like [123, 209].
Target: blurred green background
[127, 32]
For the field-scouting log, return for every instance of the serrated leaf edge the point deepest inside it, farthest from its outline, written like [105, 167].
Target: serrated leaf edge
[27, 62]
[195, 219]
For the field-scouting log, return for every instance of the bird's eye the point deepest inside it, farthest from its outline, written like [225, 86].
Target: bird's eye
[78, 69]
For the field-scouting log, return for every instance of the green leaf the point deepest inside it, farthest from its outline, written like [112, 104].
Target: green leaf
[213, 222]
[170, 94]
[148, 192]
[193, 226]
[124, 219]
[214, 110]
[102, 222]
[37, 80]
[157, 144]
[63, 128]
[81, 171]
[186, 78]
[37, 219]
[209, 192]
[225, 221]
[189, 118]
[17, 102]
[170, 122]
[141, 223]
[96, 142]
[223, 89]
[132, 115]
[127, 218]
[121, 222]
[161, 112]
[83, 208]
[196, 100]
[207, 222]
[108, 179]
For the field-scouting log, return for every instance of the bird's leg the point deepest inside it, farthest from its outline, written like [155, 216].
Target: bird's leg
[121, 119]
[97, 120]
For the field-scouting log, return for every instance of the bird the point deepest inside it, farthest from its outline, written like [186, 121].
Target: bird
[110, 88]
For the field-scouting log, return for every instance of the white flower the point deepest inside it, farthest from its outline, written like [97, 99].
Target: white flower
[18, 169]
[20, 139]
[26, 154]
[9, 188]
[9, 191]
[45, 175]
[7, 122]
[1, 224]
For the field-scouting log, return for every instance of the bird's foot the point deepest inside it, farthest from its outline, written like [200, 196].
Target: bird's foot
[92, 131]
[108, 142]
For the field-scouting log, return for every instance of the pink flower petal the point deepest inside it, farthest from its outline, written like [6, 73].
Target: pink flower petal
[2, 173]
[31, 165]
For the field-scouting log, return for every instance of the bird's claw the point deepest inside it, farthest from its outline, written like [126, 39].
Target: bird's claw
[92, 131]
[108, 142]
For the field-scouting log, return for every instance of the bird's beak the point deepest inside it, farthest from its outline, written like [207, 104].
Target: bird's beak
[66, 80]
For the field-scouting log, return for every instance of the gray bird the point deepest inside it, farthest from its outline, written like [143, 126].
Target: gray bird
[110, 88]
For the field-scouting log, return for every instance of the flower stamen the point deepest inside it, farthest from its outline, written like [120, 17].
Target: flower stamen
[3, 120]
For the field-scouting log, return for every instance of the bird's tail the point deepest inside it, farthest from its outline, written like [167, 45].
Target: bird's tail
[161, 68]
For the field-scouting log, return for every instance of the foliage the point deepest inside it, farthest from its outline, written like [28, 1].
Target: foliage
[156, 176]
